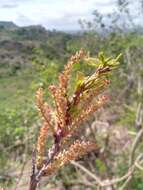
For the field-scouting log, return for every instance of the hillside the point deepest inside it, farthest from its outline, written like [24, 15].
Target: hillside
[7, 25]
[17, 46]
[32, 57]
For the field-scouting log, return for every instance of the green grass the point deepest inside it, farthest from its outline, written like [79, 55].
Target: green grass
[15, 90]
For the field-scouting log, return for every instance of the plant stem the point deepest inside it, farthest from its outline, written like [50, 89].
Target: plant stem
[33, 183]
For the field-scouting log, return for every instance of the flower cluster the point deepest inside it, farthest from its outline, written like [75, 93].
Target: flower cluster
[70, 111]
[75, 151]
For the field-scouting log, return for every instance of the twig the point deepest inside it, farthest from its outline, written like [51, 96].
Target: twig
[125, 183]
[130, 177]
[139, 166]
[97, 179]
[21, 174]
[134, 146]
[104, 182]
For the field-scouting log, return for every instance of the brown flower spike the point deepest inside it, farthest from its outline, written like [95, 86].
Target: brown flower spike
[69, 113]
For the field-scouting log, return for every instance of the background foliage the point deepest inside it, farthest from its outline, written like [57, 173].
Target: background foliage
[32, 56]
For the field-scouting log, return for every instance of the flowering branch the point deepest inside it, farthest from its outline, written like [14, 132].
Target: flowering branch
[69, 112]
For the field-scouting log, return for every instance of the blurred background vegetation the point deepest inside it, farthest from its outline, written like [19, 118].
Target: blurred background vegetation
[33, 56]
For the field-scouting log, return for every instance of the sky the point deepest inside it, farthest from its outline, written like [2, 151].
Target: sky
[53, 14]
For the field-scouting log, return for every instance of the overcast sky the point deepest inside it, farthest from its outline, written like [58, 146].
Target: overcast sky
[53, 14]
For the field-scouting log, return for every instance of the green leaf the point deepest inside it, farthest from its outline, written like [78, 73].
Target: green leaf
[101, 57]
[100, 165]
[79, 79]
[93, 61]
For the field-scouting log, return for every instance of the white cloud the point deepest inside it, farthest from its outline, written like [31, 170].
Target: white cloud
[59, 14]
